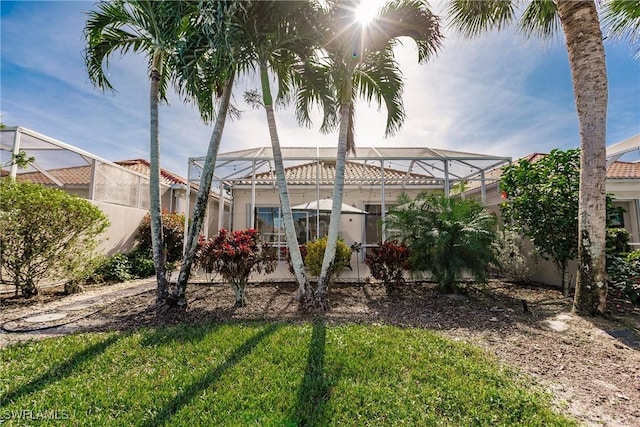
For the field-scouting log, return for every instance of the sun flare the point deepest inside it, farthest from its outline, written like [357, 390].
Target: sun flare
[367, 11]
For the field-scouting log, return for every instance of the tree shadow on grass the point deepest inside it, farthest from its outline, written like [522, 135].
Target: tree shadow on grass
[210, 378]
[60, 371]
[316, 386]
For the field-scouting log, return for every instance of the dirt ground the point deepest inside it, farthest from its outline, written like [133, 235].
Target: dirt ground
[590, 365]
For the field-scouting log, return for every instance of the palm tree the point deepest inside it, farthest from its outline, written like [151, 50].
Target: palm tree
[205, 70]
[278, 38]
[152, 28]
[361, 63]
[581, 27]
[446, 236]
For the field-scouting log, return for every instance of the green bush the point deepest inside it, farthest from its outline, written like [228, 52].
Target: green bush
[315, 256]
[624, 274]
[45, 233]
[617, 241]
[141, 265]
[450, 238]
[173, 232]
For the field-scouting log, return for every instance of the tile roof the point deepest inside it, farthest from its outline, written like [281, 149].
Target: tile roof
[77, 175]
[143, 167]
[81, 175]
[624, 170]
[355, 173]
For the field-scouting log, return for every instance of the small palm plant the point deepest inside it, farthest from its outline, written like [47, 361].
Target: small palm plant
[448, 237]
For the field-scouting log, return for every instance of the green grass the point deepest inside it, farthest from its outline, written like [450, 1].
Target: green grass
[272, 374]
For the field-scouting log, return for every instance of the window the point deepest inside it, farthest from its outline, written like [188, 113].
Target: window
[271, 227]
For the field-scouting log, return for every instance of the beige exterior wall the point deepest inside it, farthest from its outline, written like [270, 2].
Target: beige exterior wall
[625, 192]
[120, 236]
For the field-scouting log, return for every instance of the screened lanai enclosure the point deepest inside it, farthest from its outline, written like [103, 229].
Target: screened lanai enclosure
[374, 178]
[60, 165]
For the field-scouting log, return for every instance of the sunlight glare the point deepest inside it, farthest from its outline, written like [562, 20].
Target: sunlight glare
[367, 11]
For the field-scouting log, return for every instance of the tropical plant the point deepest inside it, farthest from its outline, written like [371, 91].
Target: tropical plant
[387, 262]
[360, 63]
[583, 37]
[152, 28]
[450, 238]
[235, 255]
[543, 205]
[45, 233]
[315, 255]
[624, 274]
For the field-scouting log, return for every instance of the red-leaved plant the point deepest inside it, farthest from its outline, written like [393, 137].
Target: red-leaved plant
[235, 255]
[388, 262]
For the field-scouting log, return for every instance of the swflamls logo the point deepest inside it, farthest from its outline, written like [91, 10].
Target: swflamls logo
[31, 415]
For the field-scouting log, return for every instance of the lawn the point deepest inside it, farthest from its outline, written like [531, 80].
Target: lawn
[267, 374]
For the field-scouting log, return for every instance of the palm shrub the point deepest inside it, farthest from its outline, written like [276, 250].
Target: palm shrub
[45, 233]
[447, 237]
[387, 262]
[315, 256]
[235, 255]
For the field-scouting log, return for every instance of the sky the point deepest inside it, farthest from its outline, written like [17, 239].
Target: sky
[500, 94]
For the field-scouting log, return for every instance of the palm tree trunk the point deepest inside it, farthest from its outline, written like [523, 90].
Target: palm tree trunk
[285, 204]
[588, 69]
[199, 211]
[336, 209]
[155, 210]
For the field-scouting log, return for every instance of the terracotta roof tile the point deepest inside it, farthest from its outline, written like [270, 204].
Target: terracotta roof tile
[78, 175]
[355, 173]
[624, 170]
[143, 167]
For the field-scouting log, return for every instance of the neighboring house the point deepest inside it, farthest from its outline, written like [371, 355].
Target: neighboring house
[623, 184]
[120, 189]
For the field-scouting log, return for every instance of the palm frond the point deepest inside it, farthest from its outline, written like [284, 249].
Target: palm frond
[540, 18]
[621, 18]
[472, 17]
[378, 78]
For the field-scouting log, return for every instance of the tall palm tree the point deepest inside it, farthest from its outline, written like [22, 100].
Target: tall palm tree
[152, 28]
[205, 70]
[362, 64]
[278, 40]
[583, 36]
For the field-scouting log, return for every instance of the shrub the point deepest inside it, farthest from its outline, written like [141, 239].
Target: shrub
[617, 241]
[235, 255]
[448, 237]
[388, 262]
[513, 260]
[315, 256]
[45, 233]
[624, 274]
[173, 232]
[140, 264]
